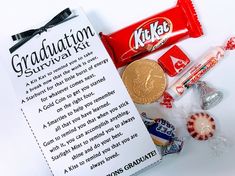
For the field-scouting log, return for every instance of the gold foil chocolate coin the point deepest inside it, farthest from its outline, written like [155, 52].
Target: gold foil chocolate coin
[145, 81]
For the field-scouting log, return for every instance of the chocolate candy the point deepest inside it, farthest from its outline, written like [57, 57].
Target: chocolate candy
[174, 61]
[145, 81]
[153, 33]
[195, 73]
[209, 96]
[162, 132]
[201, 126]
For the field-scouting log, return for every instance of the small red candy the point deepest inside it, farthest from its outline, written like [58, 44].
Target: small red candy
[174, 61]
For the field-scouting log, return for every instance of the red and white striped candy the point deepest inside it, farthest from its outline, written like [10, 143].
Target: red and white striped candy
[201, 126]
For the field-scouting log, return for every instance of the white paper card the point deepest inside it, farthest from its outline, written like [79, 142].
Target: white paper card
[76, 105]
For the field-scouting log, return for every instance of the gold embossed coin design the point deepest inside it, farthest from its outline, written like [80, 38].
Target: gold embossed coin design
[145, 81]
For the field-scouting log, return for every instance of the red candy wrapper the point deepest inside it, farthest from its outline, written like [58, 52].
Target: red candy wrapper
[195, 73]
[174, 61]
[153, 33]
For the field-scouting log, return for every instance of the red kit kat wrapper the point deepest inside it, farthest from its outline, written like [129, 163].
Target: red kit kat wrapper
[153, 33]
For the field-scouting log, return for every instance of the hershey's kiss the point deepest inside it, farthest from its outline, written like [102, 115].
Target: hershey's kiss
[209, 96]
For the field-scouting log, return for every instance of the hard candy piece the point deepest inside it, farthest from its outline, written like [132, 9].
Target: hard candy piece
[201, 126]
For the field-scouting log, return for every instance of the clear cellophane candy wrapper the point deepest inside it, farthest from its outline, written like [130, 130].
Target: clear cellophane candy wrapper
[195, 73]
[204, 127]
[193, 123]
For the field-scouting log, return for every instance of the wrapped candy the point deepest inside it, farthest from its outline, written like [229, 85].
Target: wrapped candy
[174, 61]
[202, 126]
[195, 73]
[209, 96]
[163, 134]
[152, 34]
[174, 147]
